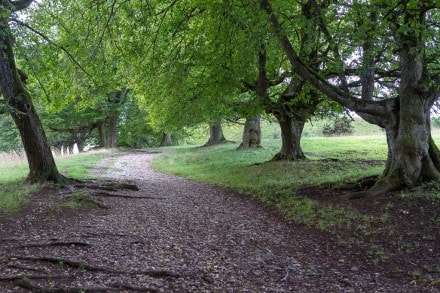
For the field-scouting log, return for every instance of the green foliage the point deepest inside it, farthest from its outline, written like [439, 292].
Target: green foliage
[134, 131]
[341, 126]
[9, 136]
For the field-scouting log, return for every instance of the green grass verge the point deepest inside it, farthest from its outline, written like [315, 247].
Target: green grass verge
[76, 201]
[80, 166]
[15, 193]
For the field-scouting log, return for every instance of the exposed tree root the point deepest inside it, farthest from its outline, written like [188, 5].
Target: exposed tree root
[288, 157]
[112, 186]
[64, 262]
[86, 200]
[122, 286]
[22, 267]
[126, 186]
[58, 243]
[105, 194]
[84, 266]
[360, 185]
[95, 235]
[26, 284]
[33, 277]
[96, 187]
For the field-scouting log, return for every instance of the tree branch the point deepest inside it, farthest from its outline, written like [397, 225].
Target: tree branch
[54, 44]
[21, 4]
[331, 91]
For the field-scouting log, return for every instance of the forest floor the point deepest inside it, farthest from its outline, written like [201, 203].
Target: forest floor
[176, 235]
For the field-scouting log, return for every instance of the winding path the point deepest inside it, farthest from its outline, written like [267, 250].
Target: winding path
[176, 235]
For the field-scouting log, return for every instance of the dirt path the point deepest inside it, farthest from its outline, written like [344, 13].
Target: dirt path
[173, 235]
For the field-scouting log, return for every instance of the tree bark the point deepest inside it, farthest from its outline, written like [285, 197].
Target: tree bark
[413, 156]
[102, 134]
[215, 135]
[251, 137]
[291, 130]
[42, 167]
[166, 140]
[112, 131]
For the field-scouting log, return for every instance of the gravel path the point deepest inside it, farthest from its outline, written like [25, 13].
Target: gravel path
[175, 235]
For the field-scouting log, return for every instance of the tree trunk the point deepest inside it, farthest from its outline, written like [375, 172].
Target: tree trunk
[102, 136]
[42, 167]
[251, 134]
[291, 130]
[112, 132]
[215, 135]
[413, 156]
[166, 140]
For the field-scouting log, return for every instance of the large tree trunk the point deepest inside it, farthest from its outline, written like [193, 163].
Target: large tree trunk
[42, 167]
[412, 154]
[166, 140]
[215, 134]
[112, 132]
[102, 134]
[291, 130]
[251, 134]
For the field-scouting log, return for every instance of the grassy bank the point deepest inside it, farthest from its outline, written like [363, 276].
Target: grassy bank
[14, 192]
[331, 159]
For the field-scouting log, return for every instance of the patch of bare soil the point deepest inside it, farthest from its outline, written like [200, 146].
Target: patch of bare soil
[175, 235]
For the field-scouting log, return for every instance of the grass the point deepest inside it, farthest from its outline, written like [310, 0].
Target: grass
[80, 166]
[75, 201]
[249, 170]
[15, 194]
[13, 169]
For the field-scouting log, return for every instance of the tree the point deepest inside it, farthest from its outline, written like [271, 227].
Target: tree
[283, 93]
[251, 137]
[215, 134]
[166, 140]
[42, 167]
[408, 26]
[88, 76]
[187, 73]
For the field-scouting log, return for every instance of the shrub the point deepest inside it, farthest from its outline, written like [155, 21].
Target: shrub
[341, 126]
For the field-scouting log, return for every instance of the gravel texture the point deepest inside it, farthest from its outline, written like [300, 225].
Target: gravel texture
[172, 235]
